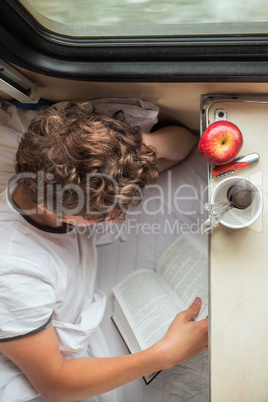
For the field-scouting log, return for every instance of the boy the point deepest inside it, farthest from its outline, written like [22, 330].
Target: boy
[75, 168]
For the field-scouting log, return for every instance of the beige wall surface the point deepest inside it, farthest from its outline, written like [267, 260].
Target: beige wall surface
[178, 102]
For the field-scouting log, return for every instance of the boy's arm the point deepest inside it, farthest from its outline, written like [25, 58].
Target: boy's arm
[59, 379]
[172, 143]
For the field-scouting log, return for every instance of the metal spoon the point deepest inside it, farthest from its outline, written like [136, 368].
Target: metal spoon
[238, 197]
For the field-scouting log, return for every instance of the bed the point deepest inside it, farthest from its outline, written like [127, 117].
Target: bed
[135, 246]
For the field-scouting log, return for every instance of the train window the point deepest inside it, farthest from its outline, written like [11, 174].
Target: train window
[138, 40]
[153, 17]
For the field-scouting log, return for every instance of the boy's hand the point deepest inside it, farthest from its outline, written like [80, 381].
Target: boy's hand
[172, 144]
[185, 338]
[60, 379]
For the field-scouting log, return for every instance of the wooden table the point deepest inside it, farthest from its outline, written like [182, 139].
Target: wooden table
[239, 275]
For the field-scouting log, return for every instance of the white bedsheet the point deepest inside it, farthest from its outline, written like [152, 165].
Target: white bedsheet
[141, 249]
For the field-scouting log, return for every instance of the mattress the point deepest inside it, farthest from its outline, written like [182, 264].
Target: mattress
[176, 205]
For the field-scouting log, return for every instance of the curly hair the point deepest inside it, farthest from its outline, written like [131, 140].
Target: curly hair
[91, 165]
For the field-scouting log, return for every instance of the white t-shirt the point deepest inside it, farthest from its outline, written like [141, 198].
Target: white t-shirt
[46, 276]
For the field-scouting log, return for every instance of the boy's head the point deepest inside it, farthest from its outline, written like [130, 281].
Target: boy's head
[77, 162]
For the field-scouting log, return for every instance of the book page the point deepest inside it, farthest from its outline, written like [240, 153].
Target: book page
[184, 268]
[147, 305]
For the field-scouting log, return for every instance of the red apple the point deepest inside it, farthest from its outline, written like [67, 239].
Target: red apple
[220, 142]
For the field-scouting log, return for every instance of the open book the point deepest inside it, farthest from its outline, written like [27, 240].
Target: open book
[146, 302]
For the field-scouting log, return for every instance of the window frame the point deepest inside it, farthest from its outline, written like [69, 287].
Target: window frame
[173, 58]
